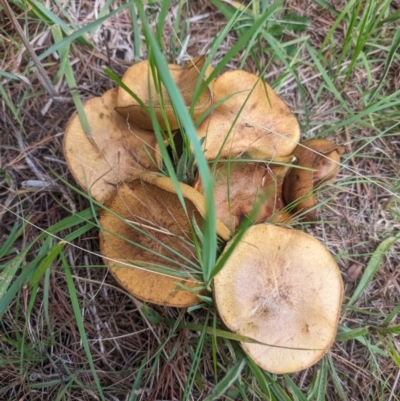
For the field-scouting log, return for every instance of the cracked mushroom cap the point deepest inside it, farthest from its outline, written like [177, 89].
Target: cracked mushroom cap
[147, 229]
[137, 78]
[115, 151]
[323, 157]
[283, 288]
[265, 128]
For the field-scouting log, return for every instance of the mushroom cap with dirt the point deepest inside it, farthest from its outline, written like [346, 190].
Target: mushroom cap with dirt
[146, 239]
[139, 79]
[250, 118]
[282, 288]
[114, 151]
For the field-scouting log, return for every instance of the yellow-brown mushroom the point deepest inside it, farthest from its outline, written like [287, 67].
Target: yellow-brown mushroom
[251, 118]
[147, 240]
[115, 151]
[282, 288]
[140, 81]
[240, 186]
[323, 157]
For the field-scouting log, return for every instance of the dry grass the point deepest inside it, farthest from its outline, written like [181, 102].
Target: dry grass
[42, 355]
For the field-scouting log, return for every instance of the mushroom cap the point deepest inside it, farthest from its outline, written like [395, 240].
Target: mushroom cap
[137, 78]
[116, 150]
[283, 288]
[321, 155]
[149, 229]
[265, 128]
[240, 186]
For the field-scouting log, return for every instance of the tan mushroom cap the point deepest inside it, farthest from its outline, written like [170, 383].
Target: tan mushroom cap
[240, 186]
[283, 288]
[265, 128]
[116, 151]
[163, 238]
[137, 78]
[323, 157]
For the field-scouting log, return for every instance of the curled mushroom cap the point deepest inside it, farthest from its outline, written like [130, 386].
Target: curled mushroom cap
[283, 288]
[251, 119]
[147, 234]
[115, 151]
[323, 157]
[241, 186]
[137, 77]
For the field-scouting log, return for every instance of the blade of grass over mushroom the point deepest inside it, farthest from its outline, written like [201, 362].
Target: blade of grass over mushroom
[209, 246]
[373, 266]
[121, 84]
[79, 321]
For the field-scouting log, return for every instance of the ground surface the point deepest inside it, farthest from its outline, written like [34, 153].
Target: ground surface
[126, 354]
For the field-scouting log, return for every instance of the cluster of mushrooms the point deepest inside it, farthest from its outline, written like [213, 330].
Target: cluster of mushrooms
[280, 286]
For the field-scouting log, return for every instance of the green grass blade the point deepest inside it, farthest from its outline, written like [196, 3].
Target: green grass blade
[391, 55]
[322, 379]
[230, 377]
[46, 263]
[195, 364]
[8, 273]
[79, 322]
[50, 18]
[330, 85]
[261, 380]
[364, 341]
[14, 234]
[80, 32]
[336, 379]
[294, 389]
[136, 383]
[136, 31]
[373, 266]
[70, 77]
[352, 333]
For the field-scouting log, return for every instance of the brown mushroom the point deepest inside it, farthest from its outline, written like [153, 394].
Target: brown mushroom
[147, 240]
[282, 288]
[323, 157]
[136, 78]
[115, 151]
[251, 119]
[240, 186]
